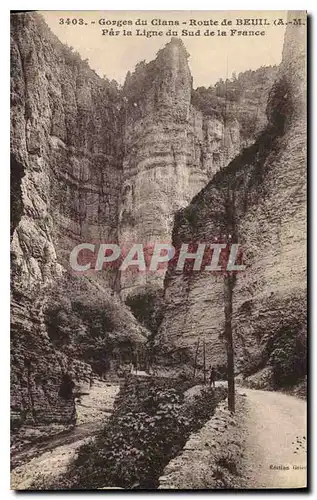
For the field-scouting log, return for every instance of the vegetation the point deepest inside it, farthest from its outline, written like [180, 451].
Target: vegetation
[256, 362]
[151, 422]
[289, 358]
[143, 77]
[285, 354]
[147, 307]
[72, 57]
[83, 330]
[91, 326]
[137, 83]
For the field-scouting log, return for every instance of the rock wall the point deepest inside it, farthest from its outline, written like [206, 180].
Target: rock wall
[93, 164]
[65, 177]
[170, 152]
[65, 143]
[260, 200]
[37, 370]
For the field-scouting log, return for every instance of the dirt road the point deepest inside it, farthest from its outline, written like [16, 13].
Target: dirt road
[276, 440]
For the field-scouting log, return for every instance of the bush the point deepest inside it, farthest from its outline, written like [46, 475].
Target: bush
[256, 362]
[289, 358]
[243, 98]
[89, 325]
[81, 330]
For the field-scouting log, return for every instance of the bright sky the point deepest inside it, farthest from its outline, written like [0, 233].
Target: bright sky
[211, 57]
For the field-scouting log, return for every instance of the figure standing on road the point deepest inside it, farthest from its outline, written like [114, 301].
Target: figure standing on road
[212, 380]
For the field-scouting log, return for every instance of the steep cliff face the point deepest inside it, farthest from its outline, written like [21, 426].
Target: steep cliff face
[38, 369]
[66, 146]
[65, 171]
[170, 152]
[175, 140]
[92, 164]
[260, 200]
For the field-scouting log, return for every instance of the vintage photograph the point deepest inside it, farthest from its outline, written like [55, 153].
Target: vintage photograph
[158, 250]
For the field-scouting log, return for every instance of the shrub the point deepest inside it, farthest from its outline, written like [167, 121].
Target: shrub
[87, 324]
[289, 358]
[228, 461]
[243, 98]
[256, 362]
[150, 425]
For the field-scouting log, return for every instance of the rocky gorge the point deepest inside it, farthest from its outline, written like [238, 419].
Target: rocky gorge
[153, 161]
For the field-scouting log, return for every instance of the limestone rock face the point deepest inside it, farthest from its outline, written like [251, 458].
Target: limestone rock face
[37, 370]
[65, 171]
[170, 152]
[91, 164]
[65, 150]
[260, 200]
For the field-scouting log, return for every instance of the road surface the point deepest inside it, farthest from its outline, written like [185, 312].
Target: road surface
[275, 440]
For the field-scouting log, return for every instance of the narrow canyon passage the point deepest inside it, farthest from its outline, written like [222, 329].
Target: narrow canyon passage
[276, 438]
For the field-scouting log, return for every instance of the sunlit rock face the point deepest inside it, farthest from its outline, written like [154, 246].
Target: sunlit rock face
[170, 152]
[96, 165]
[260, 199]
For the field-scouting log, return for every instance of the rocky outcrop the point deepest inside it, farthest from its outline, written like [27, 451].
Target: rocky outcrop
[71, 328]
[259, 199]
[175, 140]
[37, 370]
[91, 164]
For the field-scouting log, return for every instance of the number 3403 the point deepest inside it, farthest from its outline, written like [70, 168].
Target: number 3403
[71, 21]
